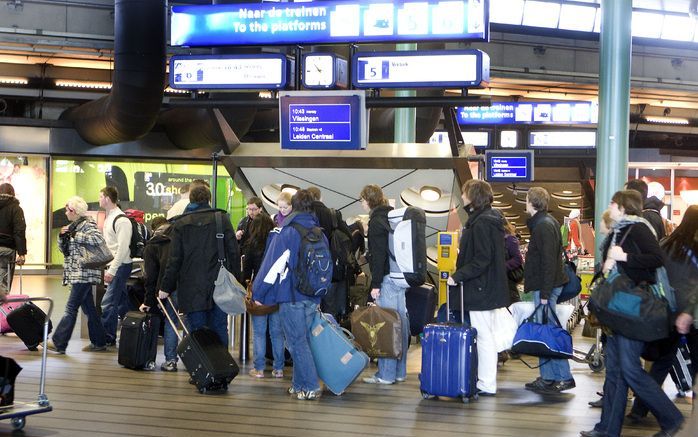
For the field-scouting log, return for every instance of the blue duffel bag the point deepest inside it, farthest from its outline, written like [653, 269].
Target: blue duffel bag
[541, 339]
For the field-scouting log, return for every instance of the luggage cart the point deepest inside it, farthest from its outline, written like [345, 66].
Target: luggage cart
[18, 411]
[594, 357]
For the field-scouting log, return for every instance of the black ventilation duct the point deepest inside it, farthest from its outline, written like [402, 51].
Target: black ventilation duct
[132, 107]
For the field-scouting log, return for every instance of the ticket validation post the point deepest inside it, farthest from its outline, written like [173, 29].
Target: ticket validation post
[447, 252]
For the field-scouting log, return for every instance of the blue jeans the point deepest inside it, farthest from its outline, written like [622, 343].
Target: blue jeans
[259, 329]
[169, 335]
[296, 319]
[214, 319]
[551, 369]
[393, 296]
[623, 370]
[115, 301]
[80, 297]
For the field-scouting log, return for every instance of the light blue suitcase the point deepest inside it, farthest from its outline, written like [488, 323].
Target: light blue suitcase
[337, 359]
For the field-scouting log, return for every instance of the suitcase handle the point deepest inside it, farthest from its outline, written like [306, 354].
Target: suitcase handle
[169, 319]
[9, 277]
[448, 305]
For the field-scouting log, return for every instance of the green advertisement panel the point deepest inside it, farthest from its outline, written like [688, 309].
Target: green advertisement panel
[147, 186]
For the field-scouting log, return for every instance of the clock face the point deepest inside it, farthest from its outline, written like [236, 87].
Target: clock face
[318, 71]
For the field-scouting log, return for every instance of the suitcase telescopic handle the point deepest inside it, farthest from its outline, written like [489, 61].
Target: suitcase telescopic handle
[169, 319]
[448, 305]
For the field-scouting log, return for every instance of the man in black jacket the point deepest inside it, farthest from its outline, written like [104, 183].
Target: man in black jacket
[13, 241]
[193, 264]
[544, 277]
[254, 208]
[651, 208]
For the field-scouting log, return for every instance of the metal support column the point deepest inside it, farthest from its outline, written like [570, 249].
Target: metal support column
[405, 118]
[614, 103]
[214, 182]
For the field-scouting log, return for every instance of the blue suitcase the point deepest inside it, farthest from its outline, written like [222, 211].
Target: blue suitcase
[337, 359]
[449, 360]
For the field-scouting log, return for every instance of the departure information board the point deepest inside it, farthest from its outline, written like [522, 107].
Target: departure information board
[509, 165]
[329, 120]
[329, 22]
[261, 71]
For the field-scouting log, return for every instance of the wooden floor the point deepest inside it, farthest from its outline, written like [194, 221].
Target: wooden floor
[93, 396]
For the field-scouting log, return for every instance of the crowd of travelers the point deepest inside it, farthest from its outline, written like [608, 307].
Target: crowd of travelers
[181, 262]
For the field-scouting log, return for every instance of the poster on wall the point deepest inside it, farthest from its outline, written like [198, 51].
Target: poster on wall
[27, 175]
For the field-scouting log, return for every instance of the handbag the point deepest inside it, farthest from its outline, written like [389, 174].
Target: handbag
[9, 369]
[516, 275]
[228, 293]
[573, 286]
[541, 339]
[97, 256]
[257, 309]
[378, 331]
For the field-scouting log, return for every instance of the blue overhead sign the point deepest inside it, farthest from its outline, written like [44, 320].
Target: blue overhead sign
[530, 113]
[329, 22]
[328, 120]
[509, 165]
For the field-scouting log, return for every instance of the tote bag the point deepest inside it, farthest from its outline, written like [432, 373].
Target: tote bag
[541, 339]
[228, 293]
[96, 256]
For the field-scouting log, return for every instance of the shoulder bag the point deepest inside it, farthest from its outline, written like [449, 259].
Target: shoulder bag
[228, 293]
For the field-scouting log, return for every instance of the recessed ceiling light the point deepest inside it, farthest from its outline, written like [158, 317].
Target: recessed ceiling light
[566, 192]
[429, 193]
[290, 189]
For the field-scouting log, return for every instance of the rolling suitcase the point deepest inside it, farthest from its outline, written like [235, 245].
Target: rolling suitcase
[8, 307]
[208, 362]
[449, 360]
[682, 369]
[27, 321]
[421, 306]
[139, 340]
[337, 359]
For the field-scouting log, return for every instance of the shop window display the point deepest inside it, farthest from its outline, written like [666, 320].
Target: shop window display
[147, 186]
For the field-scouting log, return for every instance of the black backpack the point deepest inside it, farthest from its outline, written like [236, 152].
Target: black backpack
[343, 258]
[313, 272]
[139, 235]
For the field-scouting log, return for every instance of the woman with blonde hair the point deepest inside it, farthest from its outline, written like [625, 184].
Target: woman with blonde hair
[285, 208]
[72, 241]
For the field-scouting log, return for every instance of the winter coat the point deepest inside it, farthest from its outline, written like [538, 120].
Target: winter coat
[378, 247]
[82, 232]
[253, 259]
[275, 282]
[644, 253]
[12, 225]
[155, 256]
[324, 217]
[481, 263]
[514, 261]
[193, 264]
[683, 276]
[543, 270]
[651, 211]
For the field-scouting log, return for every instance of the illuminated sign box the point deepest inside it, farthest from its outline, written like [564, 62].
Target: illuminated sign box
[262, 71]
[563, 139]
[479, 139]
[329, 22]
[509, 165]
[530, 113]
[325, 120]
[420, 69]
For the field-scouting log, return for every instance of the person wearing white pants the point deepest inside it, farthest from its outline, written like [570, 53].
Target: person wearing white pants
[481, 267]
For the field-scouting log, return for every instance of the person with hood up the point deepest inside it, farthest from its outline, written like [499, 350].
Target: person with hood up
[481, 268]
[155, 256]
[13, 240]
[275, 283]
[651, 206]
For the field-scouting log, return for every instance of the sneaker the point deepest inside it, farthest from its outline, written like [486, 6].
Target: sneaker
[292, 391]
[596, 404]
[277, 373]
[256, 373]
[539, 384]
[400, 379]
[92, 348]
[309, 395]
[377, 380]
[169, 366]
[560, 386]
[52, 347]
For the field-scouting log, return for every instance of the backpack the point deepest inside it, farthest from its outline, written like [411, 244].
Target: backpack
[343, 258]
[139, 233]
[313, 272]
[407, 246]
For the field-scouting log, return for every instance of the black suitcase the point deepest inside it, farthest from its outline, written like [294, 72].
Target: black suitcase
[27, 321]
[208, 362]
[682, 369]
[139, 340]
[421, 306]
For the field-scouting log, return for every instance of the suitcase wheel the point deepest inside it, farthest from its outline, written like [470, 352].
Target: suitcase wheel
[426, 395]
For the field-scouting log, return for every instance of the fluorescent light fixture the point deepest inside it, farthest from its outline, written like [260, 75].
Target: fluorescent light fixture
[647, 24]
[174, 91]
[429, 193]
[83, 84]
[678, 28]
[507, 12]
[574, 17]
[597, 22]
[7, 80]
[666, 120]
[541, 14]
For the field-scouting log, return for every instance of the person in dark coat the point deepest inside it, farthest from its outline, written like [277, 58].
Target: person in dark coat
[13, 240]
[155, 256]
[193, 264]
[254, 207]
[681, 262]
[481, 268]
[544, 277]
[321, 211]
[514, 260]
[632, 248]
[651, 207]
